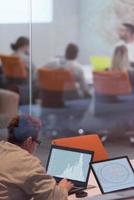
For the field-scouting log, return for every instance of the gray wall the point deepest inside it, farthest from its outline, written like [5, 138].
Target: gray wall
[92, 40]
[47, 39]
[9, 33]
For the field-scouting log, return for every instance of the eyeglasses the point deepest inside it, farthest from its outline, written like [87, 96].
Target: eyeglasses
[37, 141]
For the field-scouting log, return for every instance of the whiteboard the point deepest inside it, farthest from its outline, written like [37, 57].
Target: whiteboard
[26, 11]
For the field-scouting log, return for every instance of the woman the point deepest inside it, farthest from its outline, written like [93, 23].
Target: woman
[21, 48]
[120, 62]
[120, 59]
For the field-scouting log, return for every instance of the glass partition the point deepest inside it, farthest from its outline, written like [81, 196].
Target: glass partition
[56, 63]
[14, 60]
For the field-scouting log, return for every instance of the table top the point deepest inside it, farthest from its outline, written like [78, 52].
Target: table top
[92, 191]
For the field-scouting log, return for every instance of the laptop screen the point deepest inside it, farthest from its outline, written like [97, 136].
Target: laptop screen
[70, 163]
[114, 175]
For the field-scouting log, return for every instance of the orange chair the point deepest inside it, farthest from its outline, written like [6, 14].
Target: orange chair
[112, 83]
[13, 67]
[9, 104]
[53, 83]
[16, 76]
[86, 142]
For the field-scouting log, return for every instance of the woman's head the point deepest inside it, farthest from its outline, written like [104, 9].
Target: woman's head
[71, 52]
[22, 43]
[23, 130]
[120, 59]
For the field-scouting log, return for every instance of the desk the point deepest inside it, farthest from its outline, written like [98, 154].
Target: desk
[95, 191]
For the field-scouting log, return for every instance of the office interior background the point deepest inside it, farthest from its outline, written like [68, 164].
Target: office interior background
[50, 26]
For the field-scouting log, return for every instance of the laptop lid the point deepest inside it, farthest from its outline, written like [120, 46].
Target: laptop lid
[70, 163]
[100, 63]
[114, 174]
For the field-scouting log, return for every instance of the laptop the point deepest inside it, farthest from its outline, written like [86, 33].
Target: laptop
[71, 164]
[100, 63]
[115, 178]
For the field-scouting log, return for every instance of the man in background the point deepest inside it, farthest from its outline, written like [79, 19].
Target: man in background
[126, 34]
[70, 62]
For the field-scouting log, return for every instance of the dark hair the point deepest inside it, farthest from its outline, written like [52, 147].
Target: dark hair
[71, 51]
[130, 27]
[21, 41]
[21, 127]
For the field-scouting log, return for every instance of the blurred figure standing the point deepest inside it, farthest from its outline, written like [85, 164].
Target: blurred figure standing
[70, 62]
[126, 34]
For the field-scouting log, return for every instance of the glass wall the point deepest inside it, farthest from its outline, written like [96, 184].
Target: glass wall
[56, 64]
[14, 60]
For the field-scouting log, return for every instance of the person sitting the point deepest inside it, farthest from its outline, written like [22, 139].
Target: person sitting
[120, 60]
[71, 55]
[21, 49]
[21, 174]
[69, 61]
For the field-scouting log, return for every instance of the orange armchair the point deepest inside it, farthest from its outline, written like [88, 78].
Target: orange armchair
[53, 83]
[13, 67]
[86, 142]
[112, 83]
[55, 79]
[15, 76]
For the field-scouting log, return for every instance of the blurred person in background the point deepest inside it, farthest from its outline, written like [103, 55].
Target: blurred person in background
[120, 60]
[21, 49]
[69, 61]
[126, 35]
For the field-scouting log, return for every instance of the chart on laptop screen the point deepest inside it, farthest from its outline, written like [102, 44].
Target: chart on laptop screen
[114, 175]
[69, 164]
